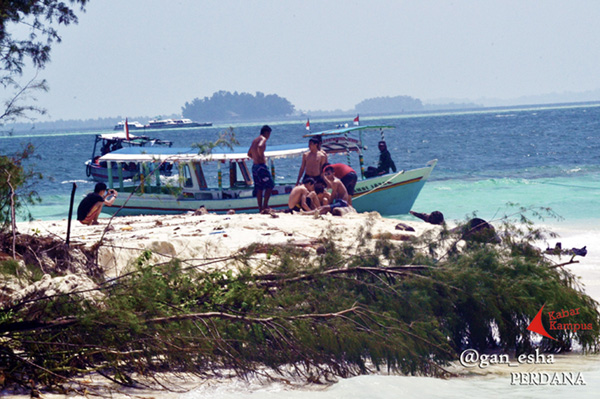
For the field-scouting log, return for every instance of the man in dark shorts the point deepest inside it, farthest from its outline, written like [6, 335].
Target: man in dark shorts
[313, 161]
[263, 181]
[90, 207]
[348, 177]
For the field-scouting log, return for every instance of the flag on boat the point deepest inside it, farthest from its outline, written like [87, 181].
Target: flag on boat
[126, 128]
[308, 124]
[356, 121]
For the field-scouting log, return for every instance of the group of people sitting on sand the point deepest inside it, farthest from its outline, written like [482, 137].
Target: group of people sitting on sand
[320, 186]
[317, 177]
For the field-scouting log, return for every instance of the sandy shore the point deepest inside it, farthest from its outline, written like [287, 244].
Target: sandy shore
[198, 237]
[210, 236]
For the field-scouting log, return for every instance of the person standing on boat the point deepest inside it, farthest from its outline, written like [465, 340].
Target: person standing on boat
[385, 162]
[263, 181]
[90, 207]
[312, 161]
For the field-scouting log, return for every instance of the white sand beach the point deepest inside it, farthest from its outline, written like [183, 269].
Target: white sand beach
[200, 237]
[211, 236]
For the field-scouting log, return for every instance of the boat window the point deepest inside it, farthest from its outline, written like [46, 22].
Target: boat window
[239, 175]
[187, 176]
[200, 174]
[232, 174]
[245, 173]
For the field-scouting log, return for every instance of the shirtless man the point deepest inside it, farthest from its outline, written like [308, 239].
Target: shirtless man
[320, 196]
[300, 198]
[347, 176]
[312, 161]
[263, 181]
[339, 194]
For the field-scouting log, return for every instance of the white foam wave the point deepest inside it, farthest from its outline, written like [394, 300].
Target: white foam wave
[74, 181]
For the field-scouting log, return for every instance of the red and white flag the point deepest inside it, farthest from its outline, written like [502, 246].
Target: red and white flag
[356, 121]
[308, 124]
[126, 128]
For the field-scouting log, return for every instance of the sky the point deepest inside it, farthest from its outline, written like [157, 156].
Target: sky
[150, 57]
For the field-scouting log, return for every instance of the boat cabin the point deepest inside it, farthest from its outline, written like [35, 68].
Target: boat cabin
[105, 143]
[193, 173]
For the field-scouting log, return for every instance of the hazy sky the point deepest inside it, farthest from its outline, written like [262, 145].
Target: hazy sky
[148, 57]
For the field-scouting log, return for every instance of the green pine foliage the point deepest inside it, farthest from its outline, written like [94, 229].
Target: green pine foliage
[17, 179]
[408, 308]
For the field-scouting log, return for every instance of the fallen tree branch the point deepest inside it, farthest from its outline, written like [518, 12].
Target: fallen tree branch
[229, 316]
[274, 279]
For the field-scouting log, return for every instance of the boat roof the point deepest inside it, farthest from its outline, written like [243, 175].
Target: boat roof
[153, 154]
[150, 154]
[345, 130]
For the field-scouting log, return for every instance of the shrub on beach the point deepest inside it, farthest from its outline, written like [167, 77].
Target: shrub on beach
[407, 307]
[16, 182]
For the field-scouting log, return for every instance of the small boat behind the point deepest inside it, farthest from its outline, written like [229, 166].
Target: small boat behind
[106, 143]
[162, 124]
[187, 189]
[130, 125]
[175, 124]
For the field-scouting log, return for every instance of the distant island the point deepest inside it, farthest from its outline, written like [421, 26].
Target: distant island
[227, 107]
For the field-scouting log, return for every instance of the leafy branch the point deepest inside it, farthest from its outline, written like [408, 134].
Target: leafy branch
[409, 307]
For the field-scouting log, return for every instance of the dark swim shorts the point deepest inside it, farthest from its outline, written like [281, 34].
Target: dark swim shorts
[298, 207]
[262, 177]
[338, 203]
[349, 181]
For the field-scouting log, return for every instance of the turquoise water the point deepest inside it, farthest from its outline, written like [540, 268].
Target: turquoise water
[536, 157]
[575, 198]
[544, 156]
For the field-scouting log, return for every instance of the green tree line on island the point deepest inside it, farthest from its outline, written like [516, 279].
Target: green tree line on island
[380, 105]
[224, 105]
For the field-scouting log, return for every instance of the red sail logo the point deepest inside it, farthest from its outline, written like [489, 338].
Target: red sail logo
[537, 327]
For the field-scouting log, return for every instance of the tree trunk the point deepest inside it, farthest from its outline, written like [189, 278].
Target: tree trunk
[12, 217]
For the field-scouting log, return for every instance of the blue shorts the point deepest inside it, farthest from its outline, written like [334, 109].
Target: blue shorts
[262, 177]
[338, 203]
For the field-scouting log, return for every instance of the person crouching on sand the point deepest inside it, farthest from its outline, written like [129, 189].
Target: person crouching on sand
[300, 197]
[90, 207]
[347, 176]
[339, 194]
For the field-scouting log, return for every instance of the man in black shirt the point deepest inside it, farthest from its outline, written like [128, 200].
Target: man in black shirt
[385, 162]
[90, 207]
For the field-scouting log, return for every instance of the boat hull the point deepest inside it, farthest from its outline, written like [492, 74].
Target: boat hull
[391, 194]
[178, 125]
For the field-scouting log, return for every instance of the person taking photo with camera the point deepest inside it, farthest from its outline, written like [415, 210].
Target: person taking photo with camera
[90, 207]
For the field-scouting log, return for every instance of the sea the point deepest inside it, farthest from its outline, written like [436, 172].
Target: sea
[491, 163]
